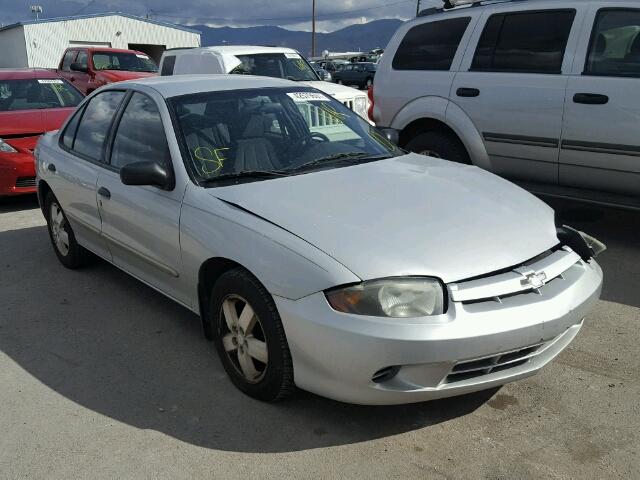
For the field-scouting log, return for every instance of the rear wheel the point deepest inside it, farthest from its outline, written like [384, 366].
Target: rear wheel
[250, 338]
[439, 145]
[70, 253]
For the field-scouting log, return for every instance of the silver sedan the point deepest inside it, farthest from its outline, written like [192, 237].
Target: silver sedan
[316, 252]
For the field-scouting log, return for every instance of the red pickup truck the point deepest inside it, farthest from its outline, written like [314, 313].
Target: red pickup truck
[89, 68]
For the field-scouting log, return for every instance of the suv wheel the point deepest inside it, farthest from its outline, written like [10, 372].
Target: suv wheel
[250, 338]
[439, 145]
[70, 253]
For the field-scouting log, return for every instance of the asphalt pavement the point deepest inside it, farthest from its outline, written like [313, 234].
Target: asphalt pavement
[102, 377]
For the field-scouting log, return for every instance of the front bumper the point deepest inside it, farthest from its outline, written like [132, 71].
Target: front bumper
[17, 174]
[474, 346]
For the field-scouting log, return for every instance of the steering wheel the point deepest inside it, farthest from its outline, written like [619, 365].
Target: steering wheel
[300, 142]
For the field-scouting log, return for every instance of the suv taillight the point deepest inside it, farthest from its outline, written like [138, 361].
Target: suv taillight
[370, 95]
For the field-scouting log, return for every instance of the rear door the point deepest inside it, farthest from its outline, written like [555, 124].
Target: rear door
[512, 85]
[601, 140]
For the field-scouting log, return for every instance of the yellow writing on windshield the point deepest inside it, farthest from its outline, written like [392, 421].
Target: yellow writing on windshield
[212, 159]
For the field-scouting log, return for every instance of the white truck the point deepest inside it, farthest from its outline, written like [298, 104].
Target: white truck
[276, 62]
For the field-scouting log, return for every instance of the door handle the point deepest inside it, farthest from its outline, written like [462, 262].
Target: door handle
[51, 167]
[468, 92]
[590, 99]
[103, 192]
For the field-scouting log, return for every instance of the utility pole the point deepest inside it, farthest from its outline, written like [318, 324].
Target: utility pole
[313, 30]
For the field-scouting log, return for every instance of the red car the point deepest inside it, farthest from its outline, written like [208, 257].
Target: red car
[32, 102]
[90, 68]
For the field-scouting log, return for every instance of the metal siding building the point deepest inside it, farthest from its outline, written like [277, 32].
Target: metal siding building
[41, 43]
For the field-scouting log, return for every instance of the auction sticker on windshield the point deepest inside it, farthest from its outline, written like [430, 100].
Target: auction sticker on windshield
[308, 97]
[291, 55]
[50, 81]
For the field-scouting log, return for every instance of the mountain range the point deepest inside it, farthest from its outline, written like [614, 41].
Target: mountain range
[361, 37]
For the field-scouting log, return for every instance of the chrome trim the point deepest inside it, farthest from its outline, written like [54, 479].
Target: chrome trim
[521, 140]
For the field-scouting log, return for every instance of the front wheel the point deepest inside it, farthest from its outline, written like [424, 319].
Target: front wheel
[439, 145]
[70, 253]
[250, 338]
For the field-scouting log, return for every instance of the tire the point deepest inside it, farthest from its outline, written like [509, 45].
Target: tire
[440, 145]
[369, 83]
[70, 253]
[253, 348]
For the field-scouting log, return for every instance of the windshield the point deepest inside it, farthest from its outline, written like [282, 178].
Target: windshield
[35, 94]
[272, 130]
[130, 62]
[280, 65]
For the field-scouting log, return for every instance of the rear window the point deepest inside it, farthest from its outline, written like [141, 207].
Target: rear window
[524, 42]
[431, 46]
[37, 94]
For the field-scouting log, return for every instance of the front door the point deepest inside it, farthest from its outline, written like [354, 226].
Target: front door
[601, 140]
[141, 224]
[81, 79]
[512, 87]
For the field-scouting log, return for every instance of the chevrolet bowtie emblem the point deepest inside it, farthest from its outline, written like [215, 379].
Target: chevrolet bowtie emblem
[534, 279]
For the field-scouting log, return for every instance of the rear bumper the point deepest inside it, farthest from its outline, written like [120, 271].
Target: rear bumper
[17, 174]
[473, 347]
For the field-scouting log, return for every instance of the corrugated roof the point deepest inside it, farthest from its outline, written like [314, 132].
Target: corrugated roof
[95, 15]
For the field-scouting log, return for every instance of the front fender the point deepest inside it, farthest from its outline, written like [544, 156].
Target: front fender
[287, 265]
[451, 115]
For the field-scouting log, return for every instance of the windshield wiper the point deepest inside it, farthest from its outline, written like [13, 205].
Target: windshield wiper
[337, 156]
[247, 174]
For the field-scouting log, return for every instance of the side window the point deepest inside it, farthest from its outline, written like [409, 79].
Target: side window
[140, 136]
[525, 42]
[82, 58]
[431, 46]
[95, 123]
[69, 134]
[615, 44]
[68, 59]
[168, 65]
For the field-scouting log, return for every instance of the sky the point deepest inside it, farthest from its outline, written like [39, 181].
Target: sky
[290, 14]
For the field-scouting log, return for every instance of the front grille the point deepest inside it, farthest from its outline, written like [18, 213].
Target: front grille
[25, 182]
[497, 363]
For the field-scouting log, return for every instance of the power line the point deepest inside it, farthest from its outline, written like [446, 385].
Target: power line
[245, 20]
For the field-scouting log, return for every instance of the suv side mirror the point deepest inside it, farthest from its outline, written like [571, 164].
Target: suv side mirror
[79, 67]
[146, 173]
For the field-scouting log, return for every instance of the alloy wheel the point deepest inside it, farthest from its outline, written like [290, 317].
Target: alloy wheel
[243, 338]
[58, 229]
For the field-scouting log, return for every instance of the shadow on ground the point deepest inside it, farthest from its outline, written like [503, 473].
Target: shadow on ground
[111, 344]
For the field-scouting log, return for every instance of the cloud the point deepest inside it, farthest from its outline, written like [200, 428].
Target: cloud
[331, 15]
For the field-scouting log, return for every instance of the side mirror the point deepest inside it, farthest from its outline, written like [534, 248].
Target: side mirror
[146, 173]
[79, 67]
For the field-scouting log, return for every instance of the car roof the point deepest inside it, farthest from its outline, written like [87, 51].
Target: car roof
[176, 85]
[241, 49]
[500, 4]
[27, 73]
[106, 49]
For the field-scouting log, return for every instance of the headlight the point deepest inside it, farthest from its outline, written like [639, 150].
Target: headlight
[392, 297]
[5, 147]
[360, 106]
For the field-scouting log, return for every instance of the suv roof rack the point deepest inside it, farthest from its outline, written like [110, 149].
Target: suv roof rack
[453, 4]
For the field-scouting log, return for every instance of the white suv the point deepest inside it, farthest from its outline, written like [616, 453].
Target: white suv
[544, 92]
[278, 62]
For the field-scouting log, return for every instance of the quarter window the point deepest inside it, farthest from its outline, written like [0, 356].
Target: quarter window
[615, 44]
[526, 42]
[141, 136]
[431, 46]
[95, 124]
[69, 134]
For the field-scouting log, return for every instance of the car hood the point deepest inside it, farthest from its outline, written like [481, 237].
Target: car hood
[410, 215]
[122, 75]
[340, 92]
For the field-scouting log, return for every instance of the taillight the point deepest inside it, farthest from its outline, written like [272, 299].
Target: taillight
[371, 102]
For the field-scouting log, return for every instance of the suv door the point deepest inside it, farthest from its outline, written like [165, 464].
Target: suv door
[512, 86]
[141, 223]
[601, 144]
[82, 146]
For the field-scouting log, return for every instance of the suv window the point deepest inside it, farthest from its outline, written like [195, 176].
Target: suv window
[95, 123]
[68, 59]
[615, 44]
[168, 65]
[431, 46]
[524, 42]
[141, 136]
